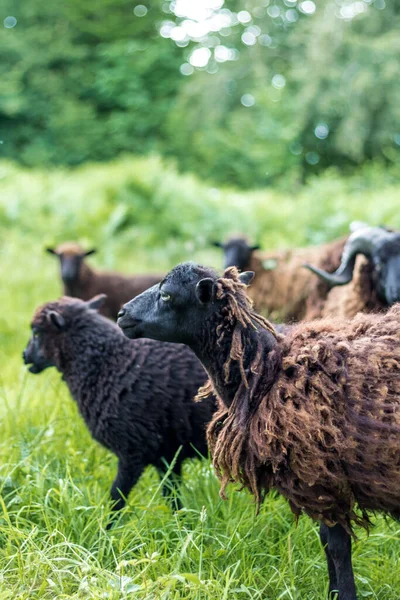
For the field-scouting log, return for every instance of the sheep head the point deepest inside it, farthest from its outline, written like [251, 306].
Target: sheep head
[188, 305]
[49, 323]
[382, 248]
[237, 252]
[71, 256]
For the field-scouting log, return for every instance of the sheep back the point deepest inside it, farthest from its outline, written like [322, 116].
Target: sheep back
[283, 289]
[118, 288]
[136, 396]
[326, 431]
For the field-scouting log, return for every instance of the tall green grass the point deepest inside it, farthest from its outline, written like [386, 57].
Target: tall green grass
[54, 480]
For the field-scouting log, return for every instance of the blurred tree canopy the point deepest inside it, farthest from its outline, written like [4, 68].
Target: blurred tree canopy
[243, 92]
[84, 81]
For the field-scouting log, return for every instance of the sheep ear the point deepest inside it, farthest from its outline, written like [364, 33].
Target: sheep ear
[205, 290]
[89, 252]
[256, 247]
[51, 251]
[217, 244]
[96, 302]
[57, 319]
[246, 277]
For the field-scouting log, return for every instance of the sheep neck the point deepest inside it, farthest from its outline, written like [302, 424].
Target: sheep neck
[93, 348]
[79, 288]
[216, 353]
[105, 346]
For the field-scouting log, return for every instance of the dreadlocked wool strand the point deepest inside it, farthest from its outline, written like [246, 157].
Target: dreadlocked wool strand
[317, 417]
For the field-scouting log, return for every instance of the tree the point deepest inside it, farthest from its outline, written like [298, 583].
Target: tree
[84, 81]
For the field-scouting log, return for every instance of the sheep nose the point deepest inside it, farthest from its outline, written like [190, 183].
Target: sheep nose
[121, 313]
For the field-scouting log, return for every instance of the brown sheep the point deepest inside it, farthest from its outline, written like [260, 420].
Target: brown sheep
[282, 289]
[81, 281]
[314, 415]
[368, 278]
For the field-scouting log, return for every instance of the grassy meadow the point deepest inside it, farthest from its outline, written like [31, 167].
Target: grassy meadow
[54, 480]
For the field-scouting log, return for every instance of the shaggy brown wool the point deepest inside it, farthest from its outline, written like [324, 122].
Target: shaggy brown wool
[357, 296]
[317, 417]
[283, 289]
[319, 290]
[238, 310]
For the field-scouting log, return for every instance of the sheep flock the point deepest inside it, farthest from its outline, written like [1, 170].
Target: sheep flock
[285, 369]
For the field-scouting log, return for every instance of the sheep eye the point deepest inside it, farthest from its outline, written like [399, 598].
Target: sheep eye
[165, 297]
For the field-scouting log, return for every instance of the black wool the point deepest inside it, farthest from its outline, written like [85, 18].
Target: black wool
[136, 397]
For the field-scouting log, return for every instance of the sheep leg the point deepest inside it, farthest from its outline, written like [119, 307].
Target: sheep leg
[339, 549]
[324, 536]
[127, 476]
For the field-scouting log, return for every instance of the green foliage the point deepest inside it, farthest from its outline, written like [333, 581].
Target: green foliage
[344, 76]
[54, 479]
[339, 73]
[83, 81]
[247, 147]
[144, 202]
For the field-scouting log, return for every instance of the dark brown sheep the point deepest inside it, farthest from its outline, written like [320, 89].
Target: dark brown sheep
[282, 289]
[314, 415]
[368, 278]
[81, 281]
[136, 397]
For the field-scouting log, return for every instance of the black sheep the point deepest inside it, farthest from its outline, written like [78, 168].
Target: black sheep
[135, 397]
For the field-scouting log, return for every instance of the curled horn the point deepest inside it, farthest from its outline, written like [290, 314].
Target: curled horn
[363, 241]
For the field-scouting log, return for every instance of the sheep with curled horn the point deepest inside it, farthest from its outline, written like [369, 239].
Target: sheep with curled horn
[82, 281]
[314, 415]
[368, 278]
[281, 289]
